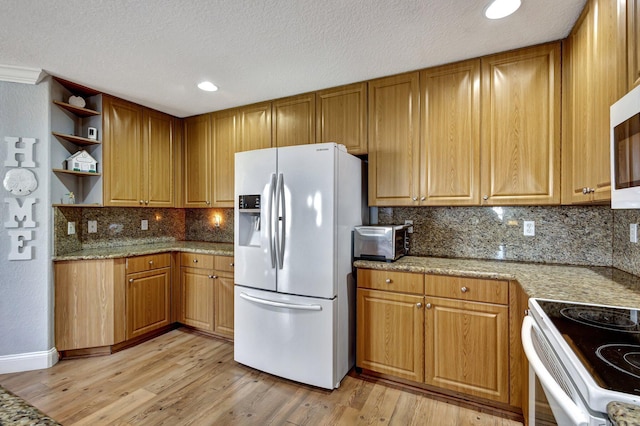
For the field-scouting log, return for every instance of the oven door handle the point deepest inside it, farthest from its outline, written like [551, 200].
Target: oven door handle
[558, 398]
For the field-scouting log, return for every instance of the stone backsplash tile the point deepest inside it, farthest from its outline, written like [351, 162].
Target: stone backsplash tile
[565, 235]
[62, 242]
[201, 225]
[626, 255]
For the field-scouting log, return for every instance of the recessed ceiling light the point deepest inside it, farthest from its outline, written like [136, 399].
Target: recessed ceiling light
[207, 86]
[501, 8]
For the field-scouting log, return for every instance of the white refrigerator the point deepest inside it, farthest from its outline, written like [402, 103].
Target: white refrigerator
[294, 289]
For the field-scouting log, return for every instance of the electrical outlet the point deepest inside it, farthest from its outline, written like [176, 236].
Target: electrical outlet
[71, 228]
[92, 226]
[633, 232]
[529, 228]
[409, 222]
[144, 224]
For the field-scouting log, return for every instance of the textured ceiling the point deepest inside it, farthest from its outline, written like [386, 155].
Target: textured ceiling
[154, 52]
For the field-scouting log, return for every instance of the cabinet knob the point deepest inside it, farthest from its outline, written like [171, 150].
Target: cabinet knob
[141, 201]
[418, 305]
[146, 201]
[423, 198]
[130, 280]
[428, 306]
[213, 277]
[464, 289]
[151, 262]
[195, 260]
[415, 198]
[207, 202]
[388, 281]
[485, 197]
[210, 276]
[231, 264]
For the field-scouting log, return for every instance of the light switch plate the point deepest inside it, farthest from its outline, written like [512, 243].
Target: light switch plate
[633, 232]
[144, 224]
[71, 228]
[529, 228]
[92, 226]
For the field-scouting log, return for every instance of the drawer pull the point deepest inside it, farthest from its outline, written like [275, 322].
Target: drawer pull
[428, 306]
[464, 289]
[388, 281]
[130, 280]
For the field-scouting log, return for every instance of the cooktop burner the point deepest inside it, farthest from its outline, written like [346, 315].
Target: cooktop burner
[625, 358]
[602, 317]
[607, 340]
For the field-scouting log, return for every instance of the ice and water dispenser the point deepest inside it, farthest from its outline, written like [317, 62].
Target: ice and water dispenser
[249, 220]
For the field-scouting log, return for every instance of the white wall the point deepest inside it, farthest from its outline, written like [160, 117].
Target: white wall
[26, 286]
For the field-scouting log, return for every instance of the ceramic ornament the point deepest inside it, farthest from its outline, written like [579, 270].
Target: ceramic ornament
[77, 101]
[20, 181]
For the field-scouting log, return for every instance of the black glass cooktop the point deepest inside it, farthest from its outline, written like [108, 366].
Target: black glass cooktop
[607, 341]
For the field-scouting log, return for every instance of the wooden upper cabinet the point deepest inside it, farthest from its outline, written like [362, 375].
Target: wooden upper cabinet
[521, 127]
[450, 134]
[594, 78]
[254, 123]
[122, 152]
[633, 42]
[159, 165]
[293, 120]
[224, 148]
[394, 160]
[197, 161]
[341, 117]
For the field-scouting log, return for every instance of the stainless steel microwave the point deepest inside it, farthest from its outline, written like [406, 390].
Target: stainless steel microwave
[625, 151]
[381, 242]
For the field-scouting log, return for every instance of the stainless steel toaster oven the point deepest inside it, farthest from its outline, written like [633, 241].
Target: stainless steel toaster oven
[381, 242]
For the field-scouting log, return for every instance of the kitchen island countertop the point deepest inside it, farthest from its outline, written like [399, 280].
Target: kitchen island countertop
[583, 284]
[112, 252]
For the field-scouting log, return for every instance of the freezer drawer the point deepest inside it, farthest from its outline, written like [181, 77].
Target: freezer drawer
[289, 336]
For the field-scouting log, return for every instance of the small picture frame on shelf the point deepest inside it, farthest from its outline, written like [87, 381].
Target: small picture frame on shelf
[92, 133]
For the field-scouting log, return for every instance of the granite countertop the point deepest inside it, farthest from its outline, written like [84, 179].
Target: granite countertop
[623, 414]
[112, 252]
[602, 285]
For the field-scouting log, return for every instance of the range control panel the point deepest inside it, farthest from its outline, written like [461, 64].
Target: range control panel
[250, 203]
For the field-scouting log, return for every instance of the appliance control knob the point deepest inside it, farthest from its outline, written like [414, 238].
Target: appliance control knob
[428, 306]
[464, 289]
[418, 305]
[388, 281]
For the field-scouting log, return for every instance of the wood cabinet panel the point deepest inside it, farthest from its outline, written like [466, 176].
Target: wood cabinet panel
[197, 260]
[223, 263]
[197, 161]
[198, 298]
[255, 127]
[122, 152]
[293, 120]
[633, 42]
[390, 330]
[341, 117]
[521, 126]
[159, 159]
[224, 149]
[148, 262]
[224, 305]
[148, 301]
[402, 282]
[450, 136]
[472, 289]
[394, 160]
[468, 347]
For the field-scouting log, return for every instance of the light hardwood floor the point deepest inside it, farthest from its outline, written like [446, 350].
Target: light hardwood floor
[184, 378]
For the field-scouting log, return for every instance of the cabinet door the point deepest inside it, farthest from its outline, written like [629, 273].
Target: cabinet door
[467, 347]
[148, 301]
[122, 153]
[394, 160]
[294, 120]
[255, 127]
[197, 298]
[342, 117]
[197, 161]
[159, 166]
[224, 305]
[633, 42]
[521, 127]
[450, 137]
[390, 333]
[224, 149]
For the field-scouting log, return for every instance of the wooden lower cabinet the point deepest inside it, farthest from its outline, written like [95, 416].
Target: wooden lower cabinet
[468, 347]
[206, 283]
[148, 296]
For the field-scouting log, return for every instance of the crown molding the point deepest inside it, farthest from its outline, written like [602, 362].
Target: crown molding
[24, 75]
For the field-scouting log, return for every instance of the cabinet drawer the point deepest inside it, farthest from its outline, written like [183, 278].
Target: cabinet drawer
[223, 263]
[474, 289]
[148, 262]
[404, 282]
[196, 260]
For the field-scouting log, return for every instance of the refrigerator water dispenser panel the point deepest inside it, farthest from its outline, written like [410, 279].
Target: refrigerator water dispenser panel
[249, 226]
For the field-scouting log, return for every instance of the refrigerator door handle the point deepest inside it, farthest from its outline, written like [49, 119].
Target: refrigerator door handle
[273, 214]
[267, 302]
[282, 226]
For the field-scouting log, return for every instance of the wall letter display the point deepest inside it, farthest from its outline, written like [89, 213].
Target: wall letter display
[20, 181]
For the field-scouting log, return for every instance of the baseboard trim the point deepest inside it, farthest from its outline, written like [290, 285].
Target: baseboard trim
[28, 361]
